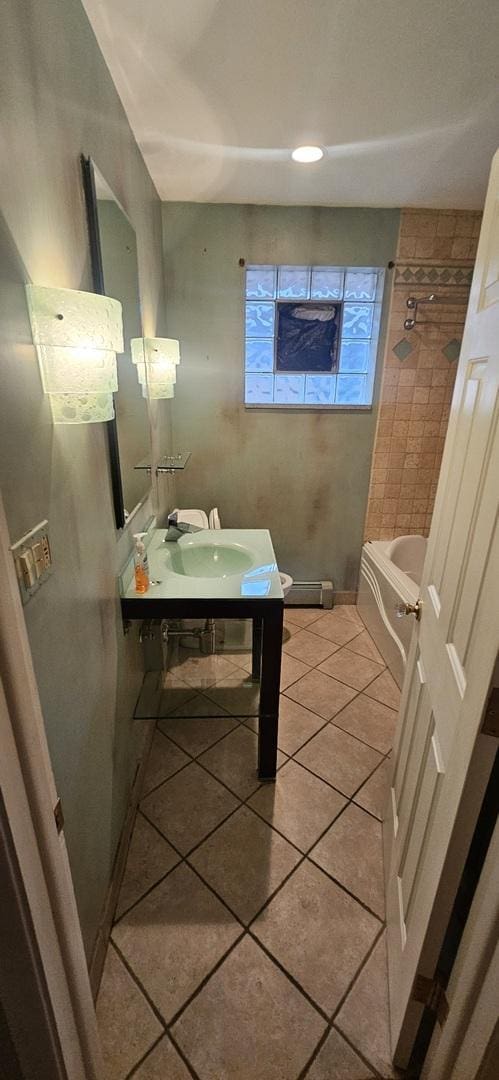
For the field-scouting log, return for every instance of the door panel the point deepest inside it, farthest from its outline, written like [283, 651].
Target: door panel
[451, 660]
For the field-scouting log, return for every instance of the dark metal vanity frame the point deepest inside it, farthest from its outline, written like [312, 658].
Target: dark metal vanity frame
[267, 618]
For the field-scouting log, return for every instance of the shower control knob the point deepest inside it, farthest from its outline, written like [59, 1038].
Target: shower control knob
[408, 609]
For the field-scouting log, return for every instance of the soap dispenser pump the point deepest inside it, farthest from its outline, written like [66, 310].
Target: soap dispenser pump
[141, 564]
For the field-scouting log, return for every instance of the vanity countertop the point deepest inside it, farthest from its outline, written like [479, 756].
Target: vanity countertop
[216, 564]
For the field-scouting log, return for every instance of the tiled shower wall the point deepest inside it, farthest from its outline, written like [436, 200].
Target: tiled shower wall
[435, 254]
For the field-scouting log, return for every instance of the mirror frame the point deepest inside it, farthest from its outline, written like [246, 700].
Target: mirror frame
[87, 167]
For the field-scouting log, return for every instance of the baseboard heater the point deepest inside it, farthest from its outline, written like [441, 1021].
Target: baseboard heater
[313, 593]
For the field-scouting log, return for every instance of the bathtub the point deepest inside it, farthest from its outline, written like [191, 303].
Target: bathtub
[390, 573]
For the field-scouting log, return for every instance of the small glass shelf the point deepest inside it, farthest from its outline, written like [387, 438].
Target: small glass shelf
[170, 463]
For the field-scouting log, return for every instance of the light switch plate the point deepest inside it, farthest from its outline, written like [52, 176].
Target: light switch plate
[32, 559]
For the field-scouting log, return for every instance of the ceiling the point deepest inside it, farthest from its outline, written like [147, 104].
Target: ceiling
[402, 94]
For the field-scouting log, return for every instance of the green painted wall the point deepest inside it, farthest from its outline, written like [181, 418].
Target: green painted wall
[303, 475]
[58, 101]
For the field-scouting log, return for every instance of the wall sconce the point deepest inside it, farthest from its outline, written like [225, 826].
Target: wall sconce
[77, 335]
[156, 360]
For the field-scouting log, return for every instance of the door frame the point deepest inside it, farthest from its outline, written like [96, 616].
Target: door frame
[40, 866]
[468, 1045]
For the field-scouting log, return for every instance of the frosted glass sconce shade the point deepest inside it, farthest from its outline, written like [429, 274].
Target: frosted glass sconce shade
[77, 335]
[156, 360]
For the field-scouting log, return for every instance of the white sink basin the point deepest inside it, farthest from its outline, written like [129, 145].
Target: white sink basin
[208, 560]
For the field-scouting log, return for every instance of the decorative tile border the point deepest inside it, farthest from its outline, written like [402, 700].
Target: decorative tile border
[412, 274]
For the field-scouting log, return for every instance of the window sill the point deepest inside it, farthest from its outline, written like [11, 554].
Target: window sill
[311, 408]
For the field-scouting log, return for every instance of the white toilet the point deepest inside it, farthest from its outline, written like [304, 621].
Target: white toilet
[214, 523]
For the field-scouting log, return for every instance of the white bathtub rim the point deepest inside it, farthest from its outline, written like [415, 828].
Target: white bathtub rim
[402, 583]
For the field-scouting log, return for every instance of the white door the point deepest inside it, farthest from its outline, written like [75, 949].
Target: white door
[441, 762]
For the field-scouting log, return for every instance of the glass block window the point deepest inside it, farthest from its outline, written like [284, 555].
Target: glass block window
[311, 335]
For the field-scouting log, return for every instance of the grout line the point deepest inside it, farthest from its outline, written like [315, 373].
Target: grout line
[359, 1053]
[357, 973]
[195, 757]
[246, 930]
[180, 769]
[183, 1056]
[136, 980]
[325, 1035]
[206, 979]
[292, 978]
[133, 1070]
[184, 854]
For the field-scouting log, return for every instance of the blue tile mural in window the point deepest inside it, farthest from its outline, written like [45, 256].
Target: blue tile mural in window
[320, 389]
[259, 319]
[261, 282]
[294, 282]
[289, 389]
[311, 335]
[260, 354]
[354, 355]
[307, 337]
[259, 389]
[327, 283]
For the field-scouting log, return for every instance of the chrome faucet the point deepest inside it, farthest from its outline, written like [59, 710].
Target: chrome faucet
[177, 528]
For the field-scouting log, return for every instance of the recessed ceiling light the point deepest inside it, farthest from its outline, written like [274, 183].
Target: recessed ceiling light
[306, 154]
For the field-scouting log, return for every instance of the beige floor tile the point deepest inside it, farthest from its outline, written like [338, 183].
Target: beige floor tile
[350, 668]
[186, 809]
[292, 927]
[337, 627]
[242, 659]
[351, 851]
[308, 647]
[291, 670]
[373, 796]
[363, 1016]
[234, 761]
[238, 695]
[165, 759]
[174, 937]
[349, 611]
[249, 1022]
[298, 804]
[364, 645]
[337, 1061]
[370, 721]
[321, 694]
[202, 671]
[156, 700]
[338, 758]
[198, 731]
[126, 1022]
[149, 859]
[302, 616]
[163, 1063]
[174, 694]
[245, 861]
[289, 629]
[296, 725]
[385, 689]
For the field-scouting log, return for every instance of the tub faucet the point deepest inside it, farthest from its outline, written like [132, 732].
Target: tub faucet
[177, 528]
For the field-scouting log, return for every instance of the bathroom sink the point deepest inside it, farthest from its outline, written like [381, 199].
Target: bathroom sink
[217, 564]
[208, 560]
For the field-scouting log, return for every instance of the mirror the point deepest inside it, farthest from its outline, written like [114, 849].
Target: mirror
[113, 252]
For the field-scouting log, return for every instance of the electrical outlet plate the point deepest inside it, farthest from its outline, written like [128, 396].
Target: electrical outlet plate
[32, 560]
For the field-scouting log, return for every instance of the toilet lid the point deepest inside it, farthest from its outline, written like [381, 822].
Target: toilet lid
[193, 517]
[215, 519]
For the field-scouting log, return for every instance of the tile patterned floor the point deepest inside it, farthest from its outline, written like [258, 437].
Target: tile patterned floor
[249, 937]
